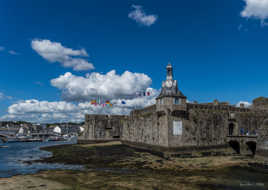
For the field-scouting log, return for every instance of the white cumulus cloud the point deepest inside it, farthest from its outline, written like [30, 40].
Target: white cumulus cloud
[246, 104]
[256, 9]
[55, 52]
[141, 17]
[42, 111]
[106, 86]
[139, 101]
[125, 92]
[61, 111]
[35, 106]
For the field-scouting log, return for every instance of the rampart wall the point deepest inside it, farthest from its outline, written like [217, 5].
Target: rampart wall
[103, 127]
[203, 126]
[146, 126]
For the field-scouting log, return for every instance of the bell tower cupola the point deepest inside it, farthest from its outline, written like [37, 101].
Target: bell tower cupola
[170, 94]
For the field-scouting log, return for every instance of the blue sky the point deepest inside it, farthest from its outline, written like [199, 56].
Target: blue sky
[218, 49]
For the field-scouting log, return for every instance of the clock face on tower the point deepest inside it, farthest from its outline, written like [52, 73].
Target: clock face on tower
[169, 83]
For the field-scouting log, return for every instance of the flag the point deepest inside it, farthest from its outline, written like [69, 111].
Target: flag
[108, 103]
[93, 102]
[123, 102]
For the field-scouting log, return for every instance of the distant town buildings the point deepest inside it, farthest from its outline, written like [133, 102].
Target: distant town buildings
[15, 126]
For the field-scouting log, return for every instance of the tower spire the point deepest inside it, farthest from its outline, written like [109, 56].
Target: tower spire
[170, 86]
[169, 71]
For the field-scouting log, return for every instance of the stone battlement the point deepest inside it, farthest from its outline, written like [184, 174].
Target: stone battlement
[217, 107]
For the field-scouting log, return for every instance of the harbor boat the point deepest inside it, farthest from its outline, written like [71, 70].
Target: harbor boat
[27, 139]
[57, 138]
[19, 137]
[8, 139]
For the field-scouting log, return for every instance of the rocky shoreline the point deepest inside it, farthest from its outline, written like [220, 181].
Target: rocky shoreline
[116, 166]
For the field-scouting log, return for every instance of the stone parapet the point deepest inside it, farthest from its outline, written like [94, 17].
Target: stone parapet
[217, 107]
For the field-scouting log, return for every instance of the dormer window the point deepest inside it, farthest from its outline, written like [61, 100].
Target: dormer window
[177, 101]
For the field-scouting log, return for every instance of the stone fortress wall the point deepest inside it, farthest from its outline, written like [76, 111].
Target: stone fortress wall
[146, 126]
[102, 128]
[174, 124]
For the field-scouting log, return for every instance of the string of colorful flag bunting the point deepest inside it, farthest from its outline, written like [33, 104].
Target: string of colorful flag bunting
[108, 103]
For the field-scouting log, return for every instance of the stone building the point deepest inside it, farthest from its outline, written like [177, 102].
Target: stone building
[173, 124]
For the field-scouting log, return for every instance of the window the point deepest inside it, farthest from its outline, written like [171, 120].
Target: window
[177, 127]
[177, 101]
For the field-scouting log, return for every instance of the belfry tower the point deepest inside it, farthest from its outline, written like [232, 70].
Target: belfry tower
[170, 94]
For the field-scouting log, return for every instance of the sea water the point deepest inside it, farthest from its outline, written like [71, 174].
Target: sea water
[13, 157]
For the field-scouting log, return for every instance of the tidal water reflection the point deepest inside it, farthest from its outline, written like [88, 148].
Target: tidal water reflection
[13, 156]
